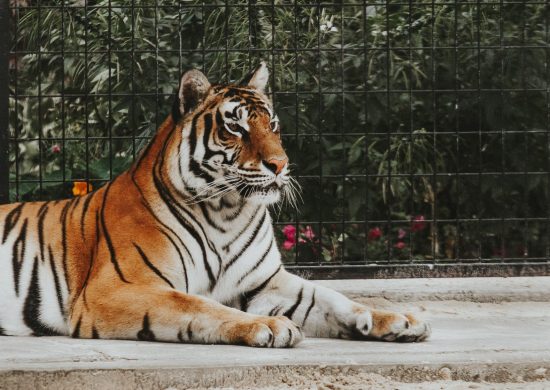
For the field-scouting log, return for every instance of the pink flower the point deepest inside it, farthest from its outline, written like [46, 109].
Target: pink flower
[418, 223]
[401, 233]
[290, 232]
[308, 233]
[56, 148]
[288, 245]
[400, 245]
[374, 234]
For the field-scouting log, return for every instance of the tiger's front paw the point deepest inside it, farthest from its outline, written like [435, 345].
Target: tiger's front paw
[272, 332]
[406, 328]
[363, 323]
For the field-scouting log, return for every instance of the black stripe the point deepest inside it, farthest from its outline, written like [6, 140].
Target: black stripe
[31, 309]
[290, 312]
[146, 334]
[265, 234]
[214, 169]
[236, 213]
[151, 266]
[180, 336]
[197, 170]
[110, 245]
[189, 331]
[56, 281]
[95, 335]
[248, 169]
[2, 331]
[247, 243]
[11, 220]
[42, 212]
[310, 307]
[250, 176]
[194, 166]
[75, 203]
[182, 260]
[92, 257]
[84, 213]
[254, 213]
[274, 311]
[206, 135]
[145, 152]
[264, 256]
[180, 167]
[76, 331]
[63, 221]
[209, 220]
[18, 255]
[188, 334]
[219, 118]
[250, 295]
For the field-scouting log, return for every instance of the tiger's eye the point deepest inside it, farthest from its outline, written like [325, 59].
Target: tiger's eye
[234, 127]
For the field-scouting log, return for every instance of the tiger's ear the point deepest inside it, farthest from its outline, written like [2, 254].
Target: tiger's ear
[258, 78]
[192, 89]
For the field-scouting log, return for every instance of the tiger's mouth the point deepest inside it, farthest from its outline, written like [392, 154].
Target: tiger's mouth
[263, 193]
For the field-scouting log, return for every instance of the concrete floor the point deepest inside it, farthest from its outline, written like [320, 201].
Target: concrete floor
[475, 341]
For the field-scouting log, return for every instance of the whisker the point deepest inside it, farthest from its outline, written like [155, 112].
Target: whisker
[224, 183]
[213, 196]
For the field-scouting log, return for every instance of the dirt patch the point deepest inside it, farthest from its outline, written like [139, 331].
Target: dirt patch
[362, 381]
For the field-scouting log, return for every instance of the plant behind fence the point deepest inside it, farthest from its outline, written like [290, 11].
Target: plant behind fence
[419, 132]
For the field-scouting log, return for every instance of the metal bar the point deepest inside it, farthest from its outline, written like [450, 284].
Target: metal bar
[357, 50]
[281, 5]
[4, 101]
[366, 214]
[387, 111]
[40, 113]
[400, 271]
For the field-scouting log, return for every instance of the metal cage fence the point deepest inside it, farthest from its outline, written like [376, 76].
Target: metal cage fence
[419, 130]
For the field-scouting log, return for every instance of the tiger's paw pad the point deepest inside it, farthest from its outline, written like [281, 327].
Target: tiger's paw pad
[274, 332]
[401, 328]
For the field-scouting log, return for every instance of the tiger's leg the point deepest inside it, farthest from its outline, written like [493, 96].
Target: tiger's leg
[323, 312]
[150, 313]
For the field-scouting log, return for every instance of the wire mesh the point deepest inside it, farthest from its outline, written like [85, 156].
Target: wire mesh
[419, 130]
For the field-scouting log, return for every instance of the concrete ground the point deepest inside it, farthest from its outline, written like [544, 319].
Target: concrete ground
[487, 333]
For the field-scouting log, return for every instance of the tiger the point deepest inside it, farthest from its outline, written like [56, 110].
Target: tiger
[181, 246]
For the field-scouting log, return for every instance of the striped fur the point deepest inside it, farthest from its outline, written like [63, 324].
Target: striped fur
[180, 247]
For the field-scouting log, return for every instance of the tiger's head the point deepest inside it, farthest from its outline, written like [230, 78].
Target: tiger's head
[231, 139]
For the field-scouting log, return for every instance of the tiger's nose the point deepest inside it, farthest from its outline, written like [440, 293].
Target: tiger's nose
[275, 165]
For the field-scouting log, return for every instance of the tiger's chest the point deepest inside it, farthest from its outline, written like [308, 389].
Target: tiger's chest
[245, 248]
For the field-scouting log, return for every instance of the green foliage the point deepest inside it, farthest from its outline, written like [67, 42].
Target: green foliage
[467, 94]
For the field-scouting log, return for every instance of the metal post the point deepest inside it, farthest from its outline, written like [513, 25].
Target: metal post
[4, 100]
